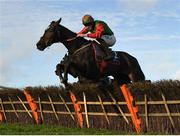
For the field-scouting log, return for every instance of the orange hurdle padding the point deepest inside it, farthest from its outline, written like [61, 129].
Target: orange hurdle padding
[33, 106]
[77, 108]
[1, 117]
[133, 110]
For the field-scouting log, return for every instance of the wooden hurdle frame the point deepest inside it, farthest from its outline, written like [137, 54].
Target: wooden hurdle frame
[36, 111]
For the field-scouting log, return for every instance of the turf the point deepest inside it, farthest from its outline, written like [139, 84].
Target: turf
[21, 129]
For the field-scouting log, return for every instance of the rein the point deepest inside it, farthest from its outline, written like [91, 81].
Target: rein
[85, 46]
[71, 39]
[66, 40]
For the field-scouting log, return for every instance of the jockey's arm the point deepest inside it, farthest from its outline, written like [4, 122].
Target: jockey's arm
[83, 31]
[98, 33]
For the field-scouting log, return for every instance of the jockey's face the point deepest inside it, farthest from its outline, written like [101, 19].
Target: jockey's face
[90, 25]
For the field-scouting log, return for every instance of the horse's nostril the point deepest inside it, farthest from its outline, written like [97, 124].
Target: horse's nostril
[38, 45]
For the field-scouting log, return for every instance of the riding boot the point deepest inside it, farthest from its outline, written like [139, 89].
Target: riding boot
[105, 49]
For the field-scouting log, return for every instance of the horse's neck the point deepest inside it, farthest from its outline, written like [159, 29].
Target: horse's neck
[74, 44]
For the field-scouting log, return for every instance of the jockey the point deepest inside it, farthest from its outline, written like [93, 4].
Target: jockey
[100, 31]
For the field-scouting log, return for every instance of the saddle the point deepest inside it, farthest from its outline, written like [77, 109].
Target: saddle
[99, 53]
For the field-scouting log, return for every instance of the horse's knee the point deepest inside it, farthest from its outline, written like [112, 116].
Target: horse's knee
[58, 70]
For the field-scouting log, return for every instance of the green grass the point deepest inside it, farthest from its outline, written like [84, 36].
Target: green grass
[25, 129]
[21, 129]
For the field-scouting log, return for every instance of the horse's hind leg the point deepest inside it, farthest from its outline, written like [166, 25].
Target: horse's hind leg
[136, 75]
[132, 77]
[123, 79]
[135, 72]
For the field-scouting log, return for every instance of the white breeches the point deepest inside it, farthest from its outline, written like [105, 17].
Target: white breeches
[109, 39]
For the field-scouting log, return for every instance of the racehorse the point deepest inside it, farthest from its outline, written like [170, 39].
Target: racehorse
[83, 61]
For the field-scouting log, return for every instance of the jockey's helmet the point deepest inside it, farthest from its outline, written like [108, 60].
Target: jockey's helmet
[87, 19]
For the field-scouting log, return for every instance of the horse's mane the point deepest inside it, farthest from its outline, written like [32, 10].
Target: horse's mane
[73, 34]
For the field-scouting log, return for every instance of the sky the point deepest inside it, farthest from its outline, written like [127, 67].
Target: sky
[147, 29]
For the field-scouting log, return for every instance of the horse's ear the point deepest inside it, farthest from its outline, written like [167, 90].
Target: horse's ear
[59, 21]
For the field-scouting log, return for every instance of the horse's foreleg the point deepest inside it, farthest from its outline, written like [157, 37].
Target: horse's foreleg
[66, 67]
[59, 72]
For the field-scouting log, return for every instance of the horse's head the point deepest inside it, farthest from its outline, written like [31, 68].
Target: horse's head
[50, 36]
